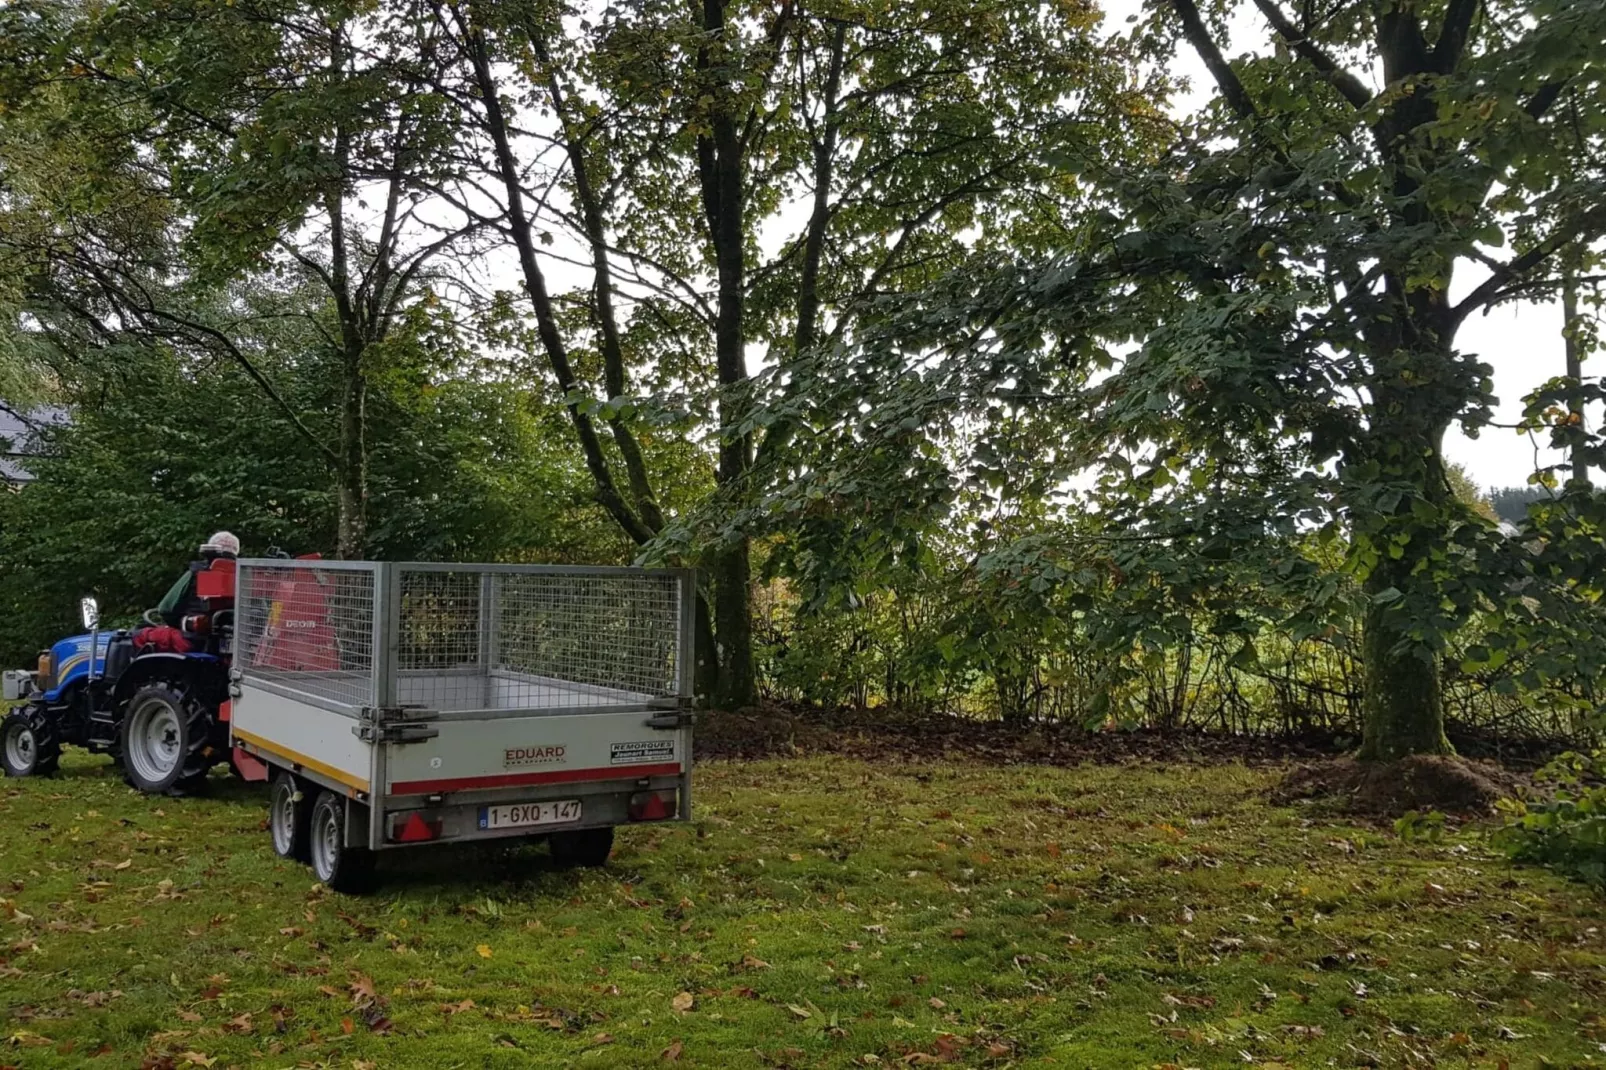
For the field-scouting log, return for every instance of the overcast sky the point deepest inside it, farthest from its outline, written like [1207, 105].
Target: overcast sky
[1521, 342]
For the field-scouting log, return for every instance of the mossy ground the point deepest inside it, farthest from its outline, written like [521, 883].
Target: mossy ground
[819, 912]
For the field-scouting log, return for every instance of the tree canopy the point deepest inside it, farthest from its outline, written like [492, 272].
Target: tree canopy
[940, 336]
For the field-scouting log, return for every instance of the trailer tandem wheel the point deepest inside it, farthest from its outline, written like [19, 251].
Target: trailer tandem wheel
[290, 817]
[341, 868]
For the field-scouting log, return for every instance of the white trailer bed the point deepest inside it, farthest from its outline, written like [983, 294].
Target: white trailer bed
[452, 702]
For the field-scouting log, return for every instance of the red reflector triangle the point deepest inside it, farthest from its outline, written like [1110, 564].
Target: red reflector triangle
[415, 829]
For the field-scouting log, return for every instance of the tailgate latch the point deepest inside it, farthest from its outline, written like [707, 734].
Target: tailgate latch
[377, 726]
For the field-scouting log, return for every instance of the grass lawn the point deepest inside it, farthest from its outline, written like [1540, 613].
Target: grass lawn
[819, 912]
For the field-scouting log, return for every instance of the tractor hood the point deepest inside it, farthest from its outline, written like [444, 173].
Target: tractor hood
[69, 662]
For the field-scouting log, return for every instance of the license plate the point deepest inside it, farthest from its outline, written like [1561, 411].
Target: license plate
[523, 815]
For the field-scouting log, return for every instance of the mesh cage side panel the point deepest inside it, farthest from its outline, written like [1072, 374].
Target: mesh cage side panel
[473, 640]
[309, 629]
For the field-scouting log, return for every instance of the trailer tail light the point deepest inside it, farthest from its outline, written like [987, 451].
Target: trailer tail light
[654, 805]
[415, 828]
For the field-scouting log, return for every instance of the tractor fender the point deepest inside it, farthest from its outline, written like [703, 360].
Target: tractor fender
[207, 672]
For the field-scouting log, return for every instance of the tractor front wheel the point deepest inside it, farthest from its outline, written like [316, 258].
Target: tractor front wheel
[165, 741]
[28, 743]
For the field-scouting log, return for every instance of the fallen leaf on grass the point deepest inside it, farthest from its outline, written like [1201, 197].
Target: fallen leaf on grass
[450, 1009]
[682, 1002]
[602, 1038]
[752, 962]
[801, 1012]
[22, 1038]
[671, 1053]
[196, 1058]
[188, 1016]
[364, 1064]
[936, 1004]
[347, 1025]
[362, 989]
[240, 1024]
[483, 950]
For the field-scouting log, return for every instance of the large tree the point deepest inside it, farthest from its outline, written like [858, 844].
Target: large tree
[1461, 136]
[739, 182]
[157, 153]
[1266, 335]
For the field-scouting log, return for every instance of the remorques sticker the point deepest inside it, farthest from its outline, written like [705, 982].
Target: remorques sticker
[641, 752]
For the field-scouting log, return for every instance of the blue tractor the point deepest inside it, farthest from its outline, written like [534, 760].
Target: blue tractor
[154, 698]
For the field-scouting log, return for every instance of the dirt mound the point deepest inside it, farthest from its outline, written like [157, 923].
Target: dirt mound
[1423, 782]
[890, 735]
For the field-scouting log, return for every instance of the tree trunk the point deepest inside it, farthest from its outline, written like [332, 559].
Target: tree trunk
[1402, 689]
[705, 678]
[351, 473]
[1403, 695]
[720, 171]
[1570, 328]
[733, 623]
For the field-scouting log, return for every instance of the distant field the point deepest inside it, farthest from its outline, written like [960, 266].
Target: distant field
[819, 912]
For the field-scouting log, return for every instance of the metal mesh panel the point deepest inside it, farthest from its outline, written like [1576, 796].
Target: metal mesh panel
[473, 640]
[307, 628]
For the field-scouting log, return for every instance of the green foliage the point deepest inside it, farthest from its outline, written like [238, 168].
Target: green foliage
[1251, 353]
[1564, 827]
[153, 462]
[1417, 827]
[1467, 491]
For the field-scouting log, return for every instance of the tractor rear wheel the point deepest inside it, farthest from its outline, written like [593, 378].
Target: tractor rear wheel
[28, 743]
[289, 817]
[165, 741]
[340, 868]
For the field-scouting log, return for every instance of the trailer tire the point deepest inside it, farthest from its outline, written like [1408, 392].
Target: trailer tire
[581, 847]
[289, 817]
[340, 868]
[28, 743]
[164, 741]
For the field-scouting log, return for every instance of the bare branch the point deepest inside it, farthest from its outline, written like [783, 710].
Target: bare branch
[1345, 82]
[1198, 35]
[1453, 34]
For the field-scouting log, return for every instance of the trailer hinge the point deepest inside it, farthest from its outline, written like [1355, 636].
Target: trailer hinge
[678, 719]
[376, 726]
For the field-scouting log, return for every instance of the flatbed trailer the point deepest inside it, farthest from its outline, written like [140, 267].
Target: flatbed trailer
[409, 703]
